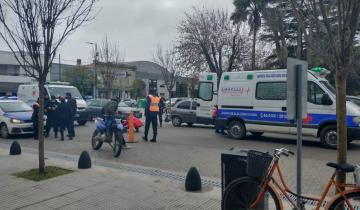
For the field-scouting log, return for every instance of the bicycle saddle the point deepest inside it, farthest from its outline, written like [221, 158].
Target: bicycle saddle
[347, 168]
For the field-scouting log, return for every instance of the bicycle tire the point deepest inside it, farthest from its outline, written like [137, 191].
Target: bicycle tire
[242, 192]
[354, 198]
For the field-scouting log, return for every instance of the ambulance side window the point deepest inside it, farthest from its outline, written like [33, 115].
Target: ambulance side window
[271, 91]
[206, 91]
[315, 93]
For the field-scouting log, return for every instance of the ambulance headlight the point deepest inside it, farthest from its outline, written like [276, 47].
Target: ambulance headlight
[357, 120]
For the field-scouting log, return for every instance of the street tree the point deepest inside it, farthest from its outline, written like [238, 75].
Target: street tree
[138, 89]
[171, 69]
[108, 63]
[250, 11]
[34, 30]
[80, 77]
[209, 37]
[339, 20]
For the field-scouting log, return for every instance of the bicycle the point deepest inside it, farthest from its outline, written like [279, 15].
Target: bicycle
[265, 192]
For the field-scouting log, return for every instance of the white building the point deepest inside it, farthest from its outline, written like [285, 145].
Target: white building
[11, 74]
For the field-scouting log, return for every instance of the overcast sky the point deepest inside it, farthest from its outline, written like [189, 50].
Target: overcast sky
[137, 25]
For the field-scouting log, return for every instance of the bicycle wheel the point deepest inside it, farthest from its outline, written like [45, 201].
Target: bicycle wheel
[242, 192]
[340, 203]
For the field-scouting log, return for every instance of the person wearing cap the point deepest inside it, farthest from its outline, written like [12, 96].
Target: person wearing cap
[51, 118]
[151, 114]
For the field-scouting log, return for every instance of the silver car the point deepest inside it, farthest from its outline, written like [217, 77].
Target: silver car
[185, 112]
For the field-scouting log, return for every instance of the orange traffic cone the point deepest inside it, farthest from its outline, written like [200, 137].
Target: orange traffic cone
[131, 129]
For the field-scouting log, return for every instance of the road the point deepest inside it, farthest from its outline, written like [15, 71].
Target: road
[180, 148]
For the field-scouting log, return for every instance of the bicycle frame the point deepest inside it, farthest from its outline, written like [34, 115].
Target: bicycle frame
[281, 186]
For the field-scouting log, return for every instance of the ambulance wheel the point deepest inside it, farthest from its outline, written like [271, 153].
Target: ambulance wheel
[236, 130]
[328, 136]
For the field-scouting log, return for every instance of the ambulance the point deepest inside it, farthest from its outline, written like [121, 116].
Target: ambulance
[255, 102]
[29, 93]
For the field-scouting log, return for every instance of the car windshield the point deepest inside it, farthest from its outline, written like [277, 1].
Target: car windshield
[15, 106]
[61, 91]
[122, 104]
[329, 86]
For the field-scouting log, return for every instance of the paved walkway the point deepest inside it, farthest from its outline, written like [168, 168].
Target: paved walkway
[96, 188]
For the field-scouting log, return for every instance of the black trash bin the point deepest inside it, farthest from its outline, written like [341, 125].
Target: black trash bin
[233, 166]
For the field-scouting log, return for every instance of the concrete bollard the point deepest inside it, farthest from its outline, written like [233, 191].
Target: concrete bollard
[193, 180]
[15, 148]
[84, 160]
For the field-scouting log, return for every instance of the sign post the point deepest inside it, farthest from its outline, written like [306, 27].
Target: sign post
[296, 104]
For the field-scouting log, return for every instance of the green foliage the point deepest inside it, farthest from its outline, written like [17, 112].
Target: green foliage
[82, 78]
[138, 89]
[50, 172]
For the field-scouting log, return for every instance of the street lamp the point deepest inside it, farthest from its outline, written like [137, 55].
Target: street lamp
[95, 70]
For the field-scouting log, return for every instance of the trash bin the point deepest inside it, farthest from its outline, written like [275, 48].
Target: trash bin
[141, 103]
[233, 166]
[236, 164]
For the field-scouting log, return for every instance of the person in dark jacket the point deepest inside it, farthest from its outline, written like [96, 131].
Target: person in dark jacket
[64, 114]
[35, 118]
[73, 107]
[109, 111]
[50, 110]
[161, 109]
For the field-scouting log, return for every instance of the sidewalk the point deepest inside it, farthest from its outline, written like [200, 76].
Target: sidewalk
[96, 188]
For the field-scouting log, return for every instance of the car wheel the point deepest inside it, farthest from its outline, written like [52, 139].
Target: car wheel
[81, 122]
[176, 121]
[4, 131]
[236, 130]
[328, 136]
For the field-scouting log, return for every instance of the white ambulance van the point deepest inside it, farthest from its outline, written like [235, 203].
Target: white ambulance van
[29, 93]
[255, 102]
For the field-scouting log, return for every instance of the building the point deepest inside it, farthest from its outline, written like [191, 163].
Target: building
[151, 74]
[11, 74]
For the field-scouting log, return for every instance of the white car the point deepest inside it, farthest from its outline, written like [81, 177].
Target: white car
[124, 110]
[15, 118]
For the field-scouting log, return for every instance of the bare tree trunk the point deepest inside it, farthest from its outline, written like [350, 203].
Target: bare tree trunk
[253, 50]
[41, 127]
[299, 43]
[340, 79]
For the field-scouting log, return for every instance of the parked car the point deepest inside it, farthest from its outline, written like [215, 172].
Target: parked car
[124, 110]
[185, 112]
[173, 101]
[15, 118]
[354, 99]
[95, 106]
[130, 102]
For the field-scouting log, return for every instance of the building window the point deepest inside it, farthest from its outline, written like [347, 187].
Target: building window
[10, 70]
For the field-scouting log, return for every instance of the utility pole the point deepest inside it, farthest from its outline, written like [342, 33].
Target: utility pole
[95, 68]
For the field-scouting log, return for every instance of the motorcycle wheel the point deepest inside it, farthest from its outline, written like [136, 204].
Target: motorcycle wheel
[119, 139]
[96, 145]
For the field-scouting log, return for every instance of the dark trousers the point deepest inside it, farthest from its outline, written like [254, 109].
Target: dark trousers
[70, 127]
[161, 112]
[36, 128]
[151, 118]
[50, 122]
[62, 129]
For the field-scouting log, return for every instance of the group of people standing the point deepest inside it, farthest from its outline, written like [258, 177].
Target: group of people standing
[59, 116]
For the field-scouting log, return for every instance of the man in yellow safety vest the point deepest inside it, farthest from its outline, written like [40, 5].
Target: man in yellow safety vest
[151, 114]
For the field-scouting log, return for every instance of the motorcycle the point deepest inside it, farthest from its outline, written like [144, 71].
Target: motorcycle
[111, 134]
